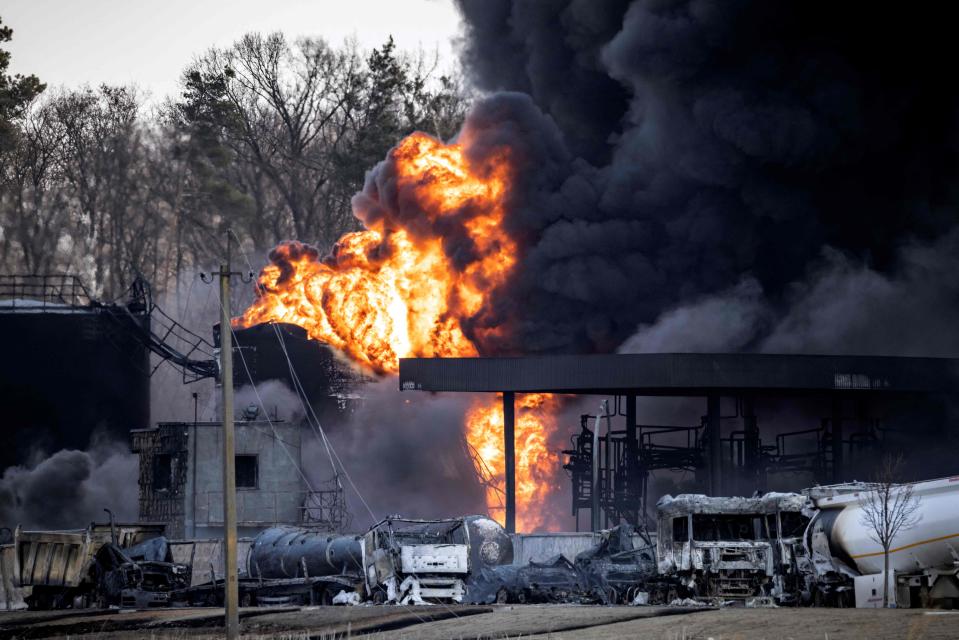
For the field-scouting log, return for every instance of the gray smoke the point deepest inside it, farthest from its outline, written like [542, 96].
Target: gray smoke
[405, 452]
[846, 307]
[70, 488]
[727, 321]
[841, 307]
[269, 399]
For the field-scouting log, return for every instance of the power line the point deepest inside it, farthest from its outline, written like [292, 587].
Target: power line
[309, 412]
[266, 413]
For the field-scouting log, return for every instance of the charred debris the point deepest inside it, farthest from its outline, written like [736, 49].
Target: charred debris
[779, 549]
[397, 561]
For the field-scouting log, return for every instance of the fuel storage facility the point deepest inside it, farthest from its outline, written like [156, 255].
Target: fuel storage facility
[71, 367]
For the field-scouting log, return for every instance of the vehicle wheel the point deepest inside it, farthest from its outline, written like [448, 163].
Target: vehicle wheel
[246, 599]
[502, 596]
[325, 598]
[817, 598]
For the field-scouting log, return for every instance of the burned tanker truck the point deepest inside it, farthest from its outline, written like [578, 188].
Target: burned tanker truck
[812, 548]
[399, 560]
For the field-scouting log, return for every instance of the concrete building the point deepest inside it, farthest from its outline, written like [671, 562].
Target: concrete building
[181, 477]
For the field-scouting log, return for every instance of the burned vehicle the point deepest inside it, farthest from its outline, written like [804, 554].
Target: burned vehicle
[733, 548]
[620, 565]
[613, 571]
[415, 561]
[556, 579]
[103, 565]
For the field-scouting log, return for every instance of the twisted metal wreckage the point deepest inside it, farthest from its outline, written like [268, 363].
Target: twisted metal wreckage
[780, 548]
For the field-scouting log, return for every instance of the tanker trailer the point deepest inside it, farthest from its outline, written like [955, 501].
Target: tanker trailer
[303, 566]
[923, 560]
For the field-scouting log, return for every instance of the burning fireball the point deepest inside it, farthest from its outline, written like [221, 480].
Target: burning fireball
[399, 289]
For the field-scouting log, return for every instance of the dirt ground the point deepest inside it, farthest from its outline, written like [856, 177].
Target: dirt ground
[540, 622]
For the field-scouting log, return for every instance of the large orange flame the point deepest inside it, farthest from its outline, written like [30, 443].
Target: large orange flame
[536, 465]
[393, 290]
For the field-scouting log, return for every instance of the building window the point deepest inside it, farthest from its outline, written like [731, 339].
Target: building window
[246, 472]
[162, 472]
[681, 529]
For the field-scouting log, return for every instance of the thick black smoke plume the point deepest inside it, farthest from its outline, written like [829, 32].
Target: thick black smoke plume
[71, 488]
[746, 147]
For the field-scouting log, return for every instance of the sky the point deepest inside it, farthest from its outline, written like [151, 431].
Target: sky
[149, 42]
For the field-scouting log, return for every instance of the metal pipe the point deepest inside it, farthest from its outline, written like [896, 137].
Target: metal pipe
[594, 486]
[193, 465]
[837, 437]
[607, 476]
[715, 455]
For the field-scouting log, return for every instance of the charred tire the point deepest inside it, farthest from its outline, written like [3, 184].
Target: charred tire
[324, 597]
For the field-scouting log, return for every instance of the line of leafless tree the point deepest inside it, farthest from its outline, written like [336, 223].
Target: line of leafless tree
[269, 138]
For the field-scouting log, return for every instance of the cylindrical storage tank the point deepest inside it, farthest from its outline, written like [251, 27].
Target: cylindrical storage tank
[327, 381]
[490, 544]
[68, 372]
[280, 552]
[930, 543]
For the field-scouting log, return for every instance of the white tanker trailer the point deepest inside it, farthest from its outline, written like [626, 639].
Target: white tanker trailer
[923, 560]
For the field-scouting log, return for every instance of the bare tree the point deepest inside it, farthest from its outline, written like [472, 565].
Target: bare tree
[269, 139]
[890, 508]
[279, 135]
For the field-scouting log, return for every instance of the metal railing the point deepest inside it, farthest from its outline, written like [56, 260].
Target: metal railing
[325, 508]
[32, 293]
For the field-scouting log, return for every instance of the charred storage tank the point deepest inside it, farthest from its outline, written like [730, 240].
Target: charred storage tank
[282, 552]
[329, 383]
[70, 367]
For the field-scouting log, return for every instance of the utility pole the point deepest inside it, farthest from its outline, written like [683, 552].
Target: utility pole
[230, 587]
[230, 591]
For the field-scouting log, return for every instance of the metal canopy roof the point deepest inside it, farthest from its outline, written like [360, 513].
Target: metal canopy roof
[691, 374]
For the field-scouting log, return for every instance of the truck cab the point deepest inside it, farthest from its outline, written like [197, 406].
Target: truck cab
[731, 548]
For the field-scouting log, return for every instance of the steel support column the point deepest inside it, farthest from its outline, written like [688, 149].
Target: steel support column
[509, 448]
[713, 445]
